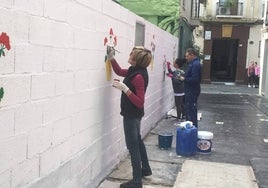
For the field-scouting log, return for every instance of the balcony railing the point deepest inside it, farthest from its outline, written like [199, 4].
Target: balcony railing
[235, 10]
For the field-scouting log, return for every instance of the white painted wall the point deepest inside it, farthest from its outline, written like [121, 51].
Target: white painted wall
[263, 89]
[59, 118]
[253, 51]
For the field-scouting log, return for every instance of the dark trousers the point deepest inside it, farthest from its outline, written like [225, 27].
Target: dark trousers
[251, 80]
[191, 108]
[256, 80]
[179, 106]
[136, 147]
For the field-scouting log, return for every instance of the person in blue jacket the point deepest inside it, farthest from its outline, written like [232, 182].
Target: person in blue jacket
[192, 86]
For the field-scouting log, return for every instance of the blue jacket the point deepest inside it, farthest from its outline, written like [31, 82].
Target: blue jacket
[193, 78]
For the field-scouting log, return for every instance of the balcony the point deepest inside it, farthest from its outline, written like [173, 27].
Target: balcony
[235, 11]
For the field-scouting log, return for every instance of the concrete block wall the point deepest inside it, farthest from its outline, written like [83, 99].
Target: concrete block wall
[59, 117]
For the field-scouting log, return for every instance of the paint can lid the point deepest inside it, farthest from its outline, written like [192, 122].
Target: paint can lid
[205, 135]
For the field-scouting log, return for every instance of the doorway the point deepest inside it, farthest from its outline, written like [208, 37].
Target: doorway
[224, 60]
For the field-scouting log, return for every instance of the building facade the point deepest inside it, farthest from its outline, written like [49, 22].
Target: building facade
[229, 35]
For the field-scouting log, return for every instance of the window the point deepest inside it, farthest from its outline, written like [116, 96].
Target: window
[266, 16]
[139, 34]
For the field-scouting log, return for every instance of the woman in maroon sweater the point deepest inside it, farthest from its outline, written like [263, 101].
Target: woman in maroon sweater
[133, 90]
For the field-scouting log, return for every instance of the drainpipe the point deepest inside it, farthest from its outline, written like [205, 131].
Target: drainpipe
[252, 8]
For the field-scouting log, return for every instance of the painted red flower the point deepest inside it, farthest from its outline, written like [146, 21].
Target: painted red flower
[111, 40]
[4, 43]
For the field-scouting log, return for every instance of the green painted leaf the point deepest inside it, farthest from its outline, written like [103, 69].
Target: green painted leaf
[1, 93]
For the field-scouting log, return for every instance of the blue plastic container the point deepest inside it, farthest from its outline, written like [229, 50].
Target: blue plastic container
[165, 140]
[186, 141]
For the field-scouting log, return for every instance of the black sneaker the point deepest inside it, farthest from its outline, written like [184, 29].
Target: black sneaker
[131, 184]
[146, 172]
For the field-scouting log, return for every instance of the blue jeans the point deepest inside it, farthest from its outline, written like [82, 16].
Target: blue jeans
[136, 147]
[191, 109]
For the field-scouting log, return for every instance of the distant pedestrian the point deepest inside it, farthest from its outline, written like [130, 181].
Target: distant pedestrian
[133, 89]
[192, 86]
[178, 86]
[257, 75]
[251, 74]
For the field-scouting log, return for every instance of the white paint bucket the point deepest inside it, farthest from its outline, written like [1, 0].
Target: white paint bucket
[204, 142]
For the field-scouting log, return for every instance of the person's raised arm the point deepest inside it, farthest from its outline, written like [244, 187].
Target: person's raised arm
[116, 67]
